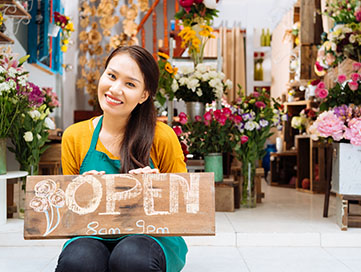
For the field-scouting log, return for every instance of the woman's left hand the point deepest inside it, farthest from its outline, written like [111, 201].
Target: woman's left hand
[145, 170]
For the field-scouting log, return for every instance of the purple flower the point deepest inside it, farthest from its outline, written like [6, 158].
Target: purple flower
[36, 96]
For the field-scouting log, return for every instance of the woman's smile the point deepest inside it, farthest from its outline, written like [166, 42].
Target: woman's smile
[112, 100]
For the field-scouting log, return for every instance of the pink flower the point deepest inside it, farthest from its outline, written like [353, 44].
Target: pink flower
[178, 130]
[183, 118]
[341, 78]
[321, 93]
[198, 1]
[353, 131]
[321, 85]
[330, 58]
[227, 111]
[222, 120]
[198, 118]
[353, 85]
[217, 114]
[186, 4]
[207, 116]
[255, 94]
[237, 119]
[328, 124]
[358, 14]
[244, 139]
[356, 66]
[355, 76]
[260, 104]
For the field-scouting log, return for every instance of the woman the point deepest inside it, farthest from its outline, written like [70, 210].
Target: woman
[126, 139]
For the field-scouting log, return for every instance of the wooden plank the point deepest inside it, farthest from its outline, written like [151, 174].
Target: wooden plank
[114, 205]
[307, 30]
[308, 59]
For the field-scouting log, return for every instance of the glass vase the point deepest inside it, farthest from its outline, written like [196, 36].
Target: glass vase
[194, 109]
[248, 197]
[2, 156]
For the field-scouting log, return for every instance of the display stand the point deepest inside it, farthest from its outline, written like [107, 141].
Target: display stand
[3, 183]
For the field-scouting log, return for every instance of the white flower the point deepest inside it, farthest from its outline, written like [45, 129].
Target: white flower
[205, 77]
[197, 75]
[193, 84]
[202, 68]
[250, 125]
[162, 91]
[49, 123]
[221, 75]
[199, 92]
[2, 70]
[183, 81]
[229, 84]
[352, 38]
[12, 72]
[38, 135]
[174, 85]
[263, 123]
[34, 114]
[214, 82]
[186, 69]
[4, 87]
[284, 117]
[28, 136]
[211, 4]
[213, 74]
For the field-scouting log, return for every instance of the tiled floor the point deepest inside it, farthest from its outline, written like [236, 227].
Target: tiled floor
[285, 233]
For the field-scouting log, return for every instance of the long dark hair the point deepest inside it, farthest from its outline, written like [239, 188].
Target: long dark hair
[139, 131]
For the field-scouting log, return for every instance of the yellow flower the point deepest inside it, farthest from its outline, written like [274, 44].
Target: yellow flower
[175, 70]
[64, 48]
[168, 68]
[163, 55]
[196, 42]
[184, 31]
[207, 28]
[65, 41]
[70, 26]
[204, 33]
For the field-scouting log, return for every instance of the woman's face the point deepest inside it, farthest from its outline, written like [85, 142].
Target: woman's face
[121, 86]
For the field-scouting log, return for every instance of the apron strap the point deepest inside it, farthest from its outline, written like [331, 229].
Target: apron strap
[96, 132]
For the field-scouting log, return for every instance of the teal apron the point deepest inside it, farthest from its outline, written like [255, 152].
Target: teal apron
[175, 249]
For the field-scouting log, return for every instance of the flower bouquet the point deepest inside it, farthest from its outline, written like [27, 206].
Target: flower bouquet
[67, 27]
[196, 18]
[202, 84]
[166, 76]
[258, 116]
[340, 106]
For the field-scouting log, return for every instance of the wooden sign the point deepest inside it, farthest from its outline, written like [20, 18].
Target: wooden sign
[114, 205]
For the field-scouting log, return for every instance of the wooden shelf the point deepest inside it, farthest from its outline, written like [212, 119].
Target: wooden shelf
[5, 39]
[14, 9]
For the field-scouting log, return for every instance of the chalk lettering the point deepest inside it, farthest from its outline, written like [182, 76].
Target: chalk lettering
[112, 196]
[92, 229]
[150, 228]
[73, 187]
[190, 193]
[150, 193]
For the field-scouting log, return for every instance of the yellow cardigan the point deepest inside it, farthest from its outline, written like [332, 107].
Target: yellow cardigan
[166, 152]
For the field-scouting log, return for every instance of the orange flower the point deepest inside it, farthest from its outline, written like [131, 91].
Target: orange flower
[168, 68]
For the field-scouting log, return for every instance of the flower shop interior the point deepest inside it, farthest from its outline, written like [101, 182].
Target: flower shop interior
[266, 94]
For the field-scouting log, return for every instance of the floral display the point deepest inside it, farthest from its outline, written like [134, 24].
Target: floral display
[13, 84]
[202, 84]
[166, 76]
[341, 109]
[303, 121]
[258, 116]
[211, 133]
[67, 27]
[1, 19]
[196, 18]
[344, 39]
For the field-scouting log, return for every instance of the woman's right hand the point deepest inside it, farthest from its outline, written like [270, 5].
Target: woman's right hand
[94, 172]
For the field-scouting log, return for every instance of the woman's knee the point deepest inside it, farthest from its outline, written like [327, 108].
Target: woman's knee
[84, 254]
[137, 253]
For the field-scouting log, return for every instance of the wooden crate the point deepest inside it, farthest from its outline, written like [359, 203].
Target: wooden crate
[344, 218]
[227, 194]
[311, 22]
[345, 67]
[307, 59]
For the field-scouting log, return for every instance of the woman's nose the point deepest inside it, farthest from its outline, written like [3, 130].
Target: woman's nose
[116, 87]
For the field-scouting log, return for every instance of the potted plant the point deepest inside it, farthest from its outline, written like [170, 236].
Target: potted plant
[210, 137]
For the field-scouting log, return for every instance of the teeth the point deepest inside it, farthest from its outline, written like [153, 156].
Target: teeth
[114, 101]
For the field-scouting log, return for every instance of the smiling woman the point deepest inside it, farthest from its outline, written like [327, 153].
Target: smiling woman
[126, 139]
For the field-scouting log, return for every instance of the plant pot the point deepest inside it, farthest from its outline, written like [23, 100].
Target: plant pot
[346, 169]
[194, 109]
[53, 30]
[213, 162]
[2, 156]
[248, 196]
